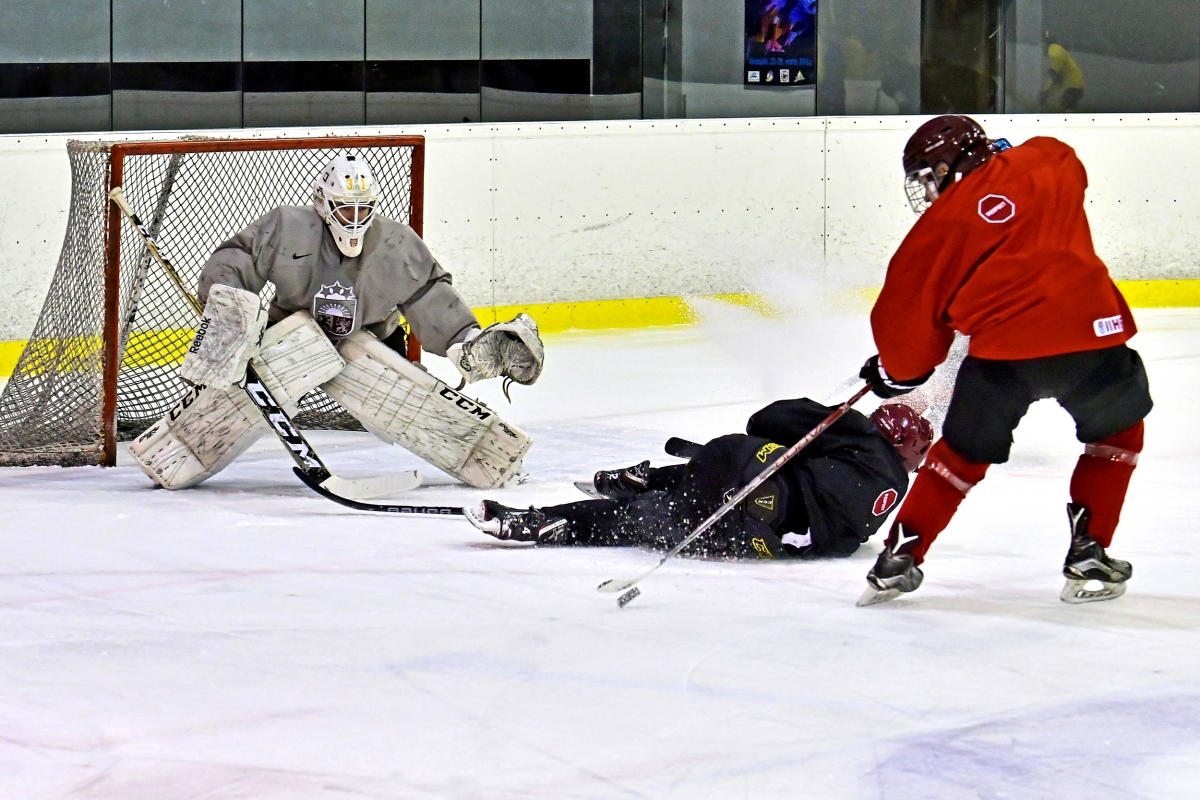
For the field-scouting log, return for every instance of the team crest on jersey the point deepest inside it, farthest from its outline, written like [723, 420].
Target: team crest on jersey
[883, 504]
[334, 308]
[766, 450]
[997, 208]
[761, 547]
[767, 502]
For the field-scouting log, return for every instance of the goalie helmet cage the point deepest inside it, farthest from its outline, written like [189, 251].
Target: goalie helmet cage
[103, 357]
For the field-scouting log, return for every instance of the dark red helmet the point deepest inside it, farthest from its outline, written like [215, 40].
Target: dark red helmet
[941, 151]
[907, 430]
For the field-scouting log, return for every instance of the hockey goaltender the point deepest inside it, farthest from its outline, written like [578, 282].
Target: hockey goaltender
[343, 277]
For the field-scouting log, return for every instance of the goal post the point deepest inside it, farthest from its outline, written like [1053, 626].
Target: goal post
[101, 362]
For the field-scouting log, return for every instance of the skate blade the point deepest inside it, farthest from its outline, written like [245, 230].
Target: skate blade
[588, 488]
[1076, 592]
[873, 596]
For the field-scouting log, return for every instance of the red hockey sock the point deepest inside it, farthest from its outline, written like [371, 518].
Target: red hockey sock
[1101, 477]
[934, 497]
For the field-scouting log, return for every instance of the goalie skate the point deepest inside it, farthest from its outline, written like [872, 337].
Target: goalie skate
[1088, 565]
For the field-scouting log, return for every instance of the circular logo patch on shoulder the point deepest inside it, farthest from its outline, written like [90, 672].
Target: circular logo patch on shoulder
[887, 498]
[997, 208]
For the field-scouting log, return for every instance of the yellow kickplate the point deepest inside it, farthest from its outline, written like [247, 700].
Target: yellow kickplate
[1161, 294]
[166, 348]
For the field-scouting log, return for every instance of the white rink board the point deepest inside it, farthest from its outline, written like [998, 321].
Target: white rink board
[546, 212]
[1143, 188]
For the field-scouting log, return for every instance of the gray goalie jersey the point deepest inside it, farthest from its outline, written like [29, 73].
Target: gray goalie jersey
[394, 275]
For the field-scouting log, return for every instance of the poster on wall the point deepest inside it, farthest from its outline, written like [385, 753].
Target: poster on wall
[781, 43]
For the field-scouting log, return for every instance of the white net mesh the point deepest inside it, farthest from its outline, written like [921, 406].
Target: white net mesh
[51, 411]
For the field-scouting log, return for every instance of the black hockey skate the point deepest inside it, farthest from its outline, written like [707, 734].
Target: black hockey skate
[1087, 562]
[621, 485]
[511, 524]
[892, 576]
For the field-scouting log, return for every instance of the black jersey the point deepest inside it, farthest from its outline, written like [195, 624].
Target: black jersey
[850, 476]
[826, 501]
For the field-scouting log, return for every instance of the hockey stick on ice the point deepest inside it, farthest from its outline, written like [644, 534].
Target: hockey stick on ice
[319, 488]
[615, 585]
[315, 473]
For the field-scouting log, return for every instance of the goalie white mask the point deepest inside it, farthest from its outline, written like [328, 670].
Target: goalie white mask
[345, 197]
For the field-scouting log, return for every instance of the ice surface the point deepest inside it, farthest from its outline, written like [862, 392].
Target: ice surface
[248, 639]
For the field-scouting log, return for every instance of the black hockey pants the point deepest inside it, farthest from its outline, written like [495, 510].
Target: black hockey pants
[676, 501]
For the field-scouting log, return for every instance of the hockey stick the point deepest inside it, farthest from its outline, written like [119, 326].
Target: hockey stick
[682, 448]
[305, 456]
[139, 281]
[615, 585]
[312, 482]
[679, 448]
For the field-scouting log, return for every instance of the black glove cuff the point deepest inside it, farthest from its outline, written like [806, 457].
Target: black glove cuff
[884, 385]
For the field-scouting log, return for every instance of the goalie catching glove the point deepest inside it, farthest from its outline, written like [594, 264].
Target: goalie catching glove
[512, 349]
[227, 337]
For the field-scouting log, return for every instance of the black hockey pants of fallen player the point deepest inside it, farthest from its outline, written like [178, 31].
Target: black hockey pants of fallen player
[678, 499]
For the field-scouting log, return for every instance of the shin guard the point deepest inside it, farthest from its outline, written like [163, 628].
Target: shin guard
[1101, 478]
[941, 485]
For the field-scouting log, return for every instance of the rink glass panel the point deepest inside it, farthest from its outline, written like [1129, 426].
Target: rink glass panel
[104, 354]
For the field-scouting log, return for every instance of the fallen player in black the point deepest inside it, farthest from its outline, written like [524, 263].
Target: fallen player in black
[826, 501]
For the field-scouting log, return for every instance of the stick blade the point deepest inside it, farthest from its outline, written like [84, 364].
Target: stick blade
[627, 598]
[372, 488]
[614, 585]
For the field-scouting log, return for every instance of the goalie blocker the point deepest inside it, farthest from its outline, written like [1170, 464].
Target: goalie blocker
[212, 425]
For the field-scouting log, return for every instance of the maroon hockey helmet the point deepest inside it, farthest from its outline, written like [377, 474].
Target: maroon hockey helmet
[941, 151]
[911, 433]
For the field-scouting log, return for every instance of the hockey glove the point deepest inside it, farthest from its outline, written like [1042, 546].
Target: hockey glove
[512, 349]
[227, 337]
[882, 384]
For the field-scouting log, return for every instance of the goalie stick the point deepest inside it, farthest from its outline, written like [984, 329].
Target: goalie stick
[309, 467]
[615, 585]
[312, 481]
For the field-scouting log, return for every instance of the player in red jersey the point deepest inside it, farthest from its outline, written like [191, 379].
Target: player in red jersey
[1002, 252]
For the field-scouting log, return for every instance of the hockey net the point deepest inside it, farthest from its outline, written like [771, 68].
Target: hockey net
[102, 361]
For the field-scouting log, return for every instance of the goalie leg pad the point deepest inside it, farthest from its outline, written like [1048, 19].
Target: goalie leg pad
[200, 436]
[210, 427]
[295, 358]
[410, 407]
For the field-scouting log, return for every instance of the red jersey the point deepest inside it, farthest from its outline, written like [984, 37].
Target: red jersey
[1005, 256]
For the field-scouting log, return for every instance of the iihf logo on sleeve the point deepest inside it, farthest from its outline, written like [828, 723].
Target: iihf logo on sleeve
[334, 307]
[1109, 325]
